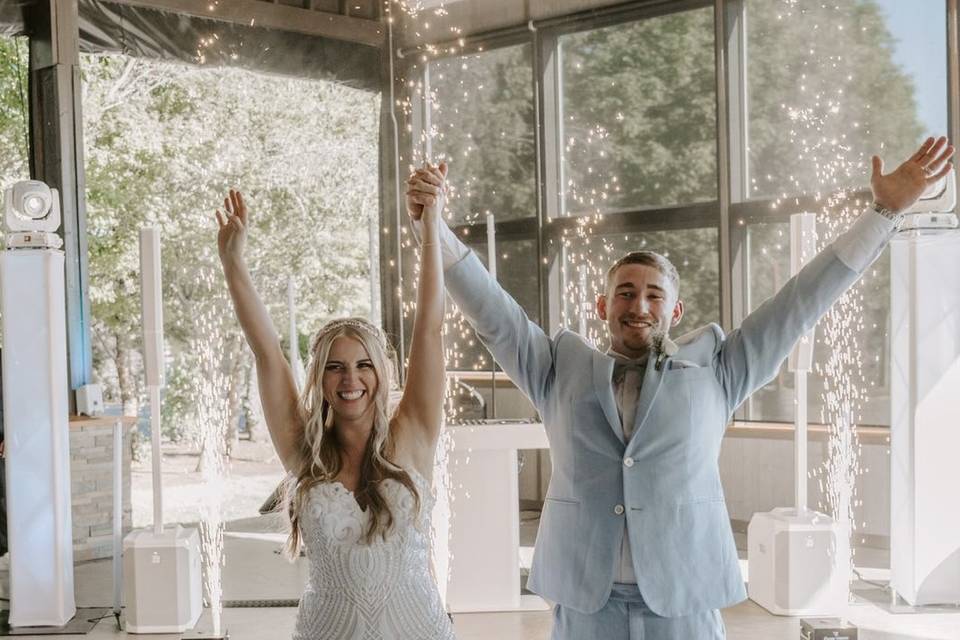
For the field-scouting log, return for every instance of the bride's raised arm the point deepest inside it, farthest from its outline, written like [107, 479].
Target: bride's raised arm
[278, 391]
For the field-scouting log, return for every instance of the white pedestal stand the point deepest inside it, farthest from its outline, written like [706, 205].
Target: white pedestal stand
[925, 417]
[485, 520]
[37, 438]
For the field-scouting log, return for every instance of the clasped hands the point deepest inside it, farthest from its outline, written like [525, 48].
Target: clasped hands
[427, 193]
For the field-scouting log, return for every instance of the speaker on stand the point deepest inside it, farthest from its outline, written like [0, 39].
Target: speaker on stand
[798, 559]
[161, 567]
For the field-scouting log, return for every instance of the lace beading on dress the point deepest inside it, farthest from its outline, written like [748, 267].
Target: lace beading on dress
[381, 591]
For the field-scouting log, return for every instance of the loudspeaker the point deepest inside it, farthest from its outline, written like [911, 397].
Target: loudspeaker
[162, 580]
[798, 563]
[803, 246]
[151, 301]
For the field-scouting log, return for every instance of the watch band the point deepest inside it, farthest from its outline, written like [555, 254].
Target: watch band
[892, 216]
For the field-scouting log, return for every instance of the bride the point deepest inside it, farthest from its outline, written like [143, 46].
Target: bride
[360, 477]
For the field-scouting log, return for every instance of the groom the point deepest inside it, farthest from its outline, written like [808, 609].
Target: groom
[634, 539]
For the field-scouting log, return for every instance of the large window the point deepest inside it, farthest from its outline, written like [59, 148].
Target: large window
[628, 137]
[638, 116]
[631, 141]
[624, 96]
[828, 86]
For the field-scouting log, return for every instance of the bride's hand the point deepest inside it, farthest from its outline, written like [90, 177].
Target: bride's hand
[232, 235]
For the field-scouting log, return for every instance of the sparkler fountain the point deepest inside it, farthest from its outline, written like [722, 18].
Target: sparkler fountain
[212, 417]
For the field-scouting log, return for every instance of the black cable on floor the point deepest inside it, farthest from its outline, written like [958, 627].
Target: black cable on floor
[252, 604]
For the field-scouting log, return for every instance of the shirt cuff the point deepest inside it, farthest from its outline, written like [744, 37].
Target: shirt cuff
[865, 240]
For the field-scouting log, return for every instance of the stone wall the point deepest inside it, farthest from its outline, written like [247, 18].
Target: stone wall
[91, 480]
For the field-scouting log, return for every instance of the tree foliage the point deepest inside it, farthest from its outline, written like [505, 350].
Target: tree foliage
[163, 145]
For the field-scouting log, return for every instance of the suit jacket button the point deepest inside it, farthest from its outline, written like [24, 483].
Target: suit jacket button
[628, 462]
[618, 509]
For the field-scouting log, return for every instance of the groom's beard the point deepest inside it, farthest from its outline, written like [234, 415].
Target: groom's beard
[652, 343]
[656, 340]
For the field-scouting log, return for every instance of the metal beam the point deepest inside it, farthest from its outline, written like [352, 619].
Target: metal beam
[274, 16]
[56, 150]
[391, 218]
[723, 163]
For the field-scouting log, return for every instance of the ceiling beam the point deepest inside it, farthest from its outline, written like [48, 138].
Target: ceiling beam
[274, 16]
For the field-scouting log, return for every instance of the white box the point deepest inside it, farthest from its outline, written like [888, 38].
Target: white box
[799, 565]
[162, 580]
[484, 520]
[90, 400]
[925, 417]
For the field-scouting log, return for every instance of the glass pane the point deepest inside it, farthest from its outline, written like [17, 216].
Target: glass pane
[517, 274]
[768, 251]
[578, 275]
[163, 144]
[829, 83]
[482, 118]
[639, 114]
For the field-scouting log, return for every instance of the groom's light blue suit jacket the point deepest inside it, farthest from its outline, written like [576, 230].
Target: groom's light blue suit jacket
[666, 479]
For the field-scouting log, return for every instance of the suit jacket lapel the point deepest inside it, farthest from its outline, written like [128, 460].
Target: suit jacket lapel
[652, 378]
[603, 387]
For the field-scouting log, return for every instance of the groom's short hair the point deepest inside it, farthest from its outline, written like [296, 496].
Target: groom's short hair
[651, 259]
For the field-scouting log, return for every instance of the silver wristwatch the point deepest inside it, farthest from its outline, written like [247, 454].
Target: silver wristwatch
[892, 216]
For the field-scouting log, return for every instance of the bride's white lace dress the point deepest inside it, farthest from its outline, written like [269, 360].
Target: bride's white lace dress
[380, 591]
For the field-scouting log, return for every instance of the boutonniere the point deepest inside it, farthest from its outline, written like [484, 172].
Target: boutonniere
[668, 349]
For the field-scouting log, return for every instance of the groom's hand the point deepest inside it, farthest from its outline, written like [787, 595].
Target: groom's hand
[897, 191]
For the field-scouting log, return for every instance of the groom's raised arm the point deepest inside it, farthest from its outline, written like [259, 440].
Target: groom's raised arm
[519, 346]
[751, 355]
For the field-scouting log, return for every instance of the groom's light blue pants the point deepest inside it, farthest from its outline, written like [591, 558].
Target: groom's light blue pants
[626, 617]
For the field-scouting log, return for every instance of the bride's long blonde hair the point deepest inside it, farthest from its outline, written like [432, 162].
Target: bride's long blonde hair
[319, 455]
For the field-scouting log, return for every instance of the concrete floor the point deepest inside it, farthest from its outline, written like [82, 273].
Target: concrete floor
[255, 571]
[745, 621]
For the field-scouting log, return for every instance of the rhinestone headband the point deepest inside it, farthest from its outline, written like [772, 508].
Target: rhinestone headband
[354, 323]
